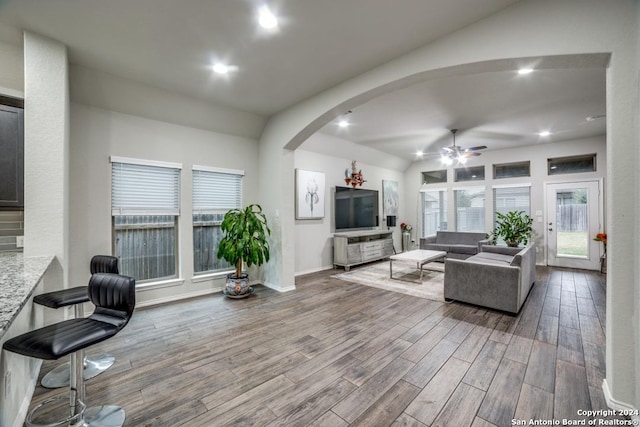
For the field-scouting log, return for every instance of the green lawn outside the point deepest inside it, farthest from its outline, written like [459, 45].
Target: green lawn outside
[573, 243]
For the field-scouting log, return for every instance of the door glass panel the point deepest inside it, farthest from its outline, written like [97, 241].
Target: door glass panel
[572, 222]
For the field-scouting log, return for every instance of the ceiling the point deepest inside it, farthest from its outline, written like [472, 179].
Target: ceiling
[500, 109]
[172, 44]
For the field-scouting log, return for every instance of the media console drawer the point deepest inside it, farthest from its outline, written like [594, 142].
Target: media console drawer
[371, 254]
[357, 247]
[372, 246]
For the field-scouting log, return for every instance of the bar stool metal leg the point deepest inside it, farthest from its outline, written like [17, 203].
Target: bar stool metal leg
[96, 416]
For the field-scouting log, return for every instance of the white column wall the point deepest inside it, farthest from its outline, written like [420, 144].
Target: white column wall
[46, 151]
[528, 28]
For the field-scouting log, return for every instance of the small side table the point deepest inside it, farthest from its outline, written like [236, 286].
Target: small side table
[603, 264]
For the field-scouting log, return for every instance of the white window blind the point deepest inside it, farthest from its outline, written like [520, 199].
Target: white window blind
[508, 199]
[215, 191]
[142, 189]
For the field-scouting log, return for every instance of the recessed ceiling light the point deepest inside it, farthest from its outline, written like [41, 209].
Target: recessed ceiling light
[544, 133]
[220, 68]
[266, 18]
[523, 71]
[419, 153]
[343, 123]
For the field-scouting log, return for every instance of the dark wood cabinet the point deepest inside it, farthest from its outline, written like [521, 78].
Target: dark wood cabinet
[11, 157]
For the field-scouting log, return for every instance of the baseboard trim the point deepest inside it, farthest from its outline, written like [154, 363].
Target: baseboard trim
[616, 404]
[313, 270]
[164, 300]
[279, 288]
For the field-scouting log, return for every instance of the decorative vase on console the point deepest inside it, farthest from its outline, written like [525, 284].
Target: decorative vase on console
[406, 236]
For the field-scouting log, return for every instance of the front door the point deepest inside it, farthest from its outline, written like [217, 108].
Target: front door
[573, 219]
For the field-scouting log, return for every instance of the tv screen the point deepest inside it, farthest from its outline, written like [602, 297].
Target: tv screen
[355, 208]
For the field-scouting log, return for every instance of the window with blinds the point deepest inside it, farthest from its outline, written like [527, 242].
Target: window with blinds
[469, 209]
[434, 211]
[215, 191]
[511, 198]
[145, 206]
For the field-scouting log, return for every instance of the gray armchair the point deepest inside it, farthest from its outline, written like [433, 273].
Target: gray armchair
[497, 277]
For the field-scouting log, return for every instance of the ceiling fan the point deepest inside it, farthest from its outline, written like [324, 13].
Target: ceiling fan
[455, 152]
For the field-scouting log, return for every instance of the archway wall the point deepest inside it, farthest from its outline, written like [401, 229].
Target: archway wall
[527, 29]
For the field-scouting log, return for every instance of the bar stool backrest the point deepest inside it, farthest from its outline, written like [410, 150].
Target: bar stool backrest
[104, 264]
[114, 297]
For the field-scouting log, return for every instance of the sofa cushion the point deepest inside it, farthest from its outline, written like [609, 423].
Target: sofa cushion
[464, 249]
[491, 258]
[436, 247]
[459, 237]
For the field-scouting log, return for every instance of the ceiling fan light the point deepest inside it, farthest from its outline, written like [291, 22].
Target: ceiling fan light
[446, 160]
[462, 160]
[267, 19]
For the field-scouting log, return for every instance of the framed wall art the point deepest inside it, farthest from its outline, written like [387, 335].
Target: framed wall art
[390, 200]
[310, 190]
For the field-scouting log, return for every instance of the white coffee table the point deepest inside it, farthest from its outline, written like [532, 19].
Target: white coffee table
[419, 256]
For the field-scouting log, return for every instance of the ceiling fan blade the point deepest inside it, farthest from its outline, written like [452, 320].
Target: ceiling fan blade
[479, 147]
[448, 149]
[471, 154]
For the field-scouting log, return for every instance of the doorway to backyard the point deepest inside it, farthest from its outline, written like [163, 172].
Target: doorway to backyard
[574, 217]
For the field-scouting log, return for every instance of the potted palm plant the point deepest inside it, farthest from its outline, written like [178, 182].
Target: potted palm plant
[514, 227]
[244, 241]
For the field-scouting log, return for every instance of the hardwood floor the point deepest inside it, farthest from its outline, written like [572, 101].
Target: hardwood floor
[332, 353]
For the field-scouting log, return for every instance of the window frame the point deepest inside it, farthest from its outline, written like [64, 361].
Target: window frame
[198, 170]
[495, 210]
[525, 163]
[468, 169]
[575, 158]
[484, 207]
[441, 181]
[166, 211]
[441, 207]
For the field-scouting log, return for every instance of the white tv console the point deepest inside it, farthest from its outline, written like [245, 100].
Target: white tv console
[357, 247]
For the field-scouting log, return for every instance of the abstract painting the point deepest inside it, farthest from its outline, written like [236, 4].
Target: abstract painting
[390, 199]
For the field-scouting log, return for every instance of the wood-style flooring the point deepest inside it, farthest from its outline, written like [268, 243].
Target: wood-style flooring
[332, 353]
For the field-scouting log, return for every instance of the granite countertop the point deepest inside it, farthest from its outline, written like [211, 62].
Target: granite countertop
[18, 278]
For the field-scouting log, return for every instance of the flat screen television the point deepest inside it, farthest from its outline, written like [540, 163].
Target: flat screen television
[355, 208]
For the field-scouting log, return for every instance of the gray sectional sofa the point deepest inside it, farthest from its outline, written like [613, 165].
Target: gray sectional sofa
[497, 277]
[457, 244]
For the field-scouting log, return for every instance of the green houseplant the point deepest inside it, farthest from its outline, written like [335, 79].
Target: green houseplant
[514, 227]
[244, 239]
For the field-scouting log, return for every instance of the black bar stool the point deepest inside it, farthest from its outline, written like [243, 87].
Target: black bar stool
[77, 296]
[114, 298]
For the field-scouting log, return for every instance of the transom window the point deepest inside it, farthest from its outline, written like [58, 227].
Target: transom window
[474, 173]
[572, 164]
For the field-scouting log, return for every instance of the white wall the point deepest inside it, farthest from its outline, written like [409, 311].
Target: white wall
[99, 89]
[537, 155]
[314, 238]
[97, 134]
[12, 70]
